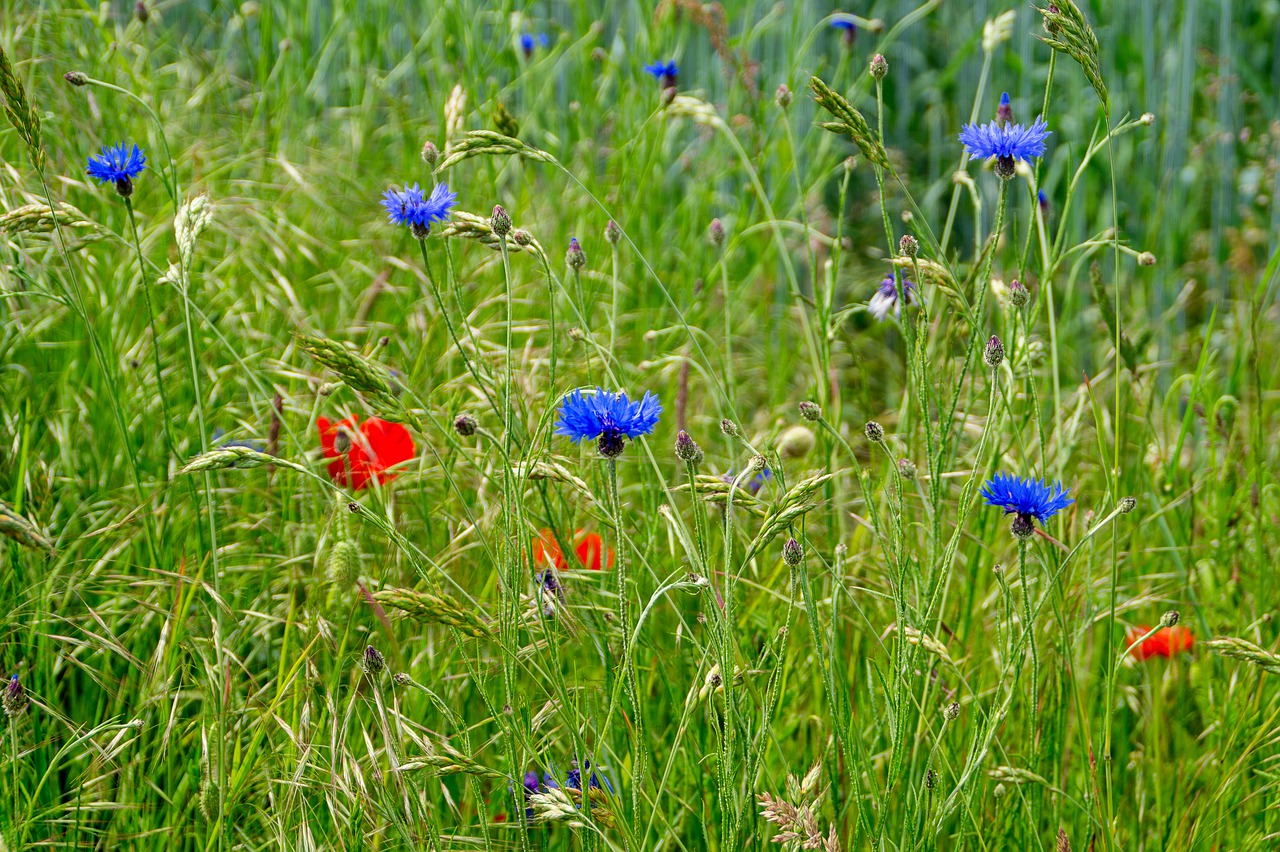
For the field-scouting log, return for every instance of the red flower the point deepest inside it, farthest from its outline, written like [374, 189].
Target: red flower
[361, 451]
[1165, 642]
[588, 546]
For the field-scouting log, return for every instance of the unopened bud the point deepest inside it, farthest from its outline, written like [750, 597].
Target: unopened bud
[1004, 112]
[465, 425]
[792, 553]
[430, 154]
[500, 221]
[757, 463]
[908, 246]
[1019, 296]
[715, 233]
[1170, 618]
[783, 96]
[141, 12]
[810, 411]
[575, 256]
[874, 432]
[1127, 505]
[687, 450]
[729, 428]
[994, 356]
[1147, 118]
[521, 237]
[612, 233]
[951, 712]
[796, 442]
[1146, 259]
[373, 662]
[906, 468]
[879, 66]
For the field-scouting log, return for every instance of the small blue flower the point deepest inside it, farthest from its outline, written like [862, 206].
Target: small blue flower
[247, 443]
[664, 72]
[1009, 143]
[609, 417]
[528, 41]
[574, 779]
[754, 485]
[1026, 498]
[885, 298]
[118, 165]
[410, 207]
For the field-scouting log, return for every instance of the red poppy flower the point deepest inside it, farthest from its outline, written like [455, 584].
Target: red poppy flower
[589, 547]
[361, 451]
[1165, 642]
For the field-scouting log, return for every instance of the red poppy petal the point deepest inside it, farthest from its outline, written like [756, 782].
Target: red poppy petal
[546, 551]
[389, 444]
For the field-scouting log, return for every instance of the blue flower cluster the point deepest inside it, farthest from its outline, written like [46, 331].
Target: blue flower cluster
[118, 165]
[885, 299]
[608, 417]
[1008, 142]
[665, 73]
[410, 207]
[1027, 499]
[528, 41]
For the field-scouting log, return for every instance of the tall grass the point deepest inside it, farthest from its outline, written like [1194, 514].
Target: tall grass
[220, 645]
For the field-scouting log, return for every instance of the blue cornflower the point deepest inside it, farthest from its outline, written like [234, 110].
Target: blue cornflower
[1026, 499]
[1007, 144]
[664, 72]
[608, 417]
[247, 443]
[754, 485]
[847, 28]
[118, 165]
[410, 207]
[528, 41]
[885, 298]
[574, 779]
